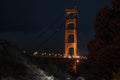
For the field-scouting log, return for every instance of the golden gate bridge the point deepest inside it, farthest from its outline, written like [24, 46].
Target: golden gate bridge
[70, 57]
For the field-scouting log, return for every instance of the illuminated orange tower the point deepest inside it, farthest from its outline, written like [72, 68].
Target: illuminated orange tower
[70, 30]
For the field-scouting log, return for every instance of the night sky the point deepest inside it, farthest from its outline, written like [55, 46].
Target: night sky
[39, 24]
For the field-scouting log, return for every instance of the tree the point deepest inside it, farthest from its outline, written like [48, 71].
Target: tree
[104, 49]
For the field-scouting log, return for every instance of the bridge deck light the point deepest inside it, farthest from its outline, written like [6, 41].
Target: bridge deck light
[49, 54]
[55, 54]
[42, 53]
[35, 53]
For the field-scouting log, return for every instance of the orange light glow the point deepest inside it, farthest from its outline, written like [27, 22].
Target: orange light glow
[69, 32]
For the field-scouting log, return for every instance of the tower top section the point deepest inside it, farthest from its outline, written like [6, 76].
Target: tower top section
[70, 12]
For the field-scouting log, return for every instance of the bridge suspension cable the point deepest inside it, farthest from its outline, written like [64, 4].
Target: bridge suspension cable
[59, 28]
[47, 28]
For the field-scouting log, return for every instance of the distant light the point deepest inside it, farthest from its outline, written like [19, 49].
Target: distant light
[68, 78]
[35, 53]
[69, 57]
[49, 54]
[61, 55]
[55, 54]
[77, 61]
[84, 57]
[24, 51]
[42, 53]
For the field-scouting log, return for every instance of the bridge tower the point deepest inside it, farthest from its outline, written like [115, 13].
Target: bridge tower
[71, 33]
